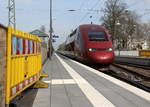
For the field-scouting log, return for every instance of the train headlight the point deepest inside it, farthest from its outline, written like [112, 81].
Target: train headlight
[92, 49]
[110, 49]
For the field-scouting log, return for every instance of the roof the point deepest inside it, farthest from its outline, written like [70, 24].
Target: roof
[2, 26]
[39, 33]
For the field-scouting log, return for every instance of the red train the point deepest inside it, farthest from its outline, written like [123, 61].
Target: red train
[91, 44]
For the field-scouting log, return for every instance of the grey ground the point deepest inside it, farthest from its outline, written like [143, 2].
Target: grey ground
[70, 95]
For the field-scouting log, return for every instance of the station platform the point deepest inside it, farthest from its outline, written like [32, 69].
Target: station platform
[72, 84]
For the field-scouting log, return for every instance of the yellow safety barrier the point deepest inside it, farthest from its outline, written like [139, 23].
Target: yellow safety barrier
[145, 53]
[23, 62]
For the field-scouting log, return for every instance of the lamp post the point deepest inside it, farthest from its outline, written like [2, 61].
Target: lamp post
[117, 23]
[50, 35]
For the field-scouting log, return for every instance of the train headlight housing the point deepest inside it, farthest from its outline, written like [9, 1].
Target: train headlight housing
[110, 49]
[92, 49]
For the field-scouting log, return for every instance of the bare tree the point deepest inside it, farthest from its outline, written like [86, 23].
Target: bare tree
[128, 24]
[145, 31]
[120, 22]
[112, 13]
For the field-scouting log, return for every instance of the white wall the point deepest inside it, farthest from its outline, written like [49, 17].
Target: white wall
[126, 53]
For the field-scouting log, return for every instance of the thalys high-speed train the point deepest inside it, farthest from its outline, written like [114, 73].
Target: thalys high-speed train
[91, 44]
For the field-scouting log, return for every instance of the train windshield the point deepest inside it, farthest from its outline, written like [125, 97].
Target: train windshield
[97, 36]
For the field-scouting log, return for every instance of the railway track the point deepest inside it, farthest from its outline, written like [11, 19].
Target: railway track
[137, 76]
[134, 65]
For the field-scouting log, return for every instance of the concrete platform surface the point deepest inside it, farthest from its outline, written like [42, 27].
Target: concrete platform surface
[72, 84]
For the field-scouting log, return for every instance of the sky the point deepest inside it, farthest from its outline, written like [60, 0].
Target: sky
[31, 14]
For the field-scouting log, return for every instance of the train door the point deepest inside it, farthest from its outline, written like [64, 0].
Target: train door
[2, 64]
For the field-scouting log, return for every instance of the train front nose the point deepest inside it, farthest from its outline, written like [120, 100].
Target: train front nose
[101, 57]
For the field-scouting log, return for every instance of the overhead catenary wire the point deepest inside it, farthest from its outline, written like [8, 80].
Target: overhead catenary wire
[88, 10]
[83, 3]
[133, 4]
[97, 19]
[144, 14]
[81, 7]
[91, 9]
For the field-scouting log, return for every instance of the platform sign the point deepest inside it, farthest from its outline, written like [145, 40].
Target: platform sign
[19, 46]
[14, 45]
[55, 36]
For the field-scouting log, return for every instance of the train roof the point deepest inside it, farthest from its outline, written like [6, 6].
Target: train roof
[86, 26]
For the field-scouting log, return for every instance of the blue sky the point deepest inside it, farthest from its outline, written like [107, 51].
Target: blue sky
[31, 14]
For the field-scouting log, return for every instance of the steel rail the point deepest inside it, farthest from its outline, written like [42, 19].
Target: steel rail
[122, 70]
[132, 70]
[133, 65]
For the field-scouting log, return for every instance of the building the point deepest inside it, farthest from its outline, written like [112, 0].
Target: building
[41, 34]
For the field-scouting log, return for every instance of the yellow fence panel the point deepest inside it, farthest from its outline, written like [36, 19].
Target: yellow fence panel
[23, 62]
